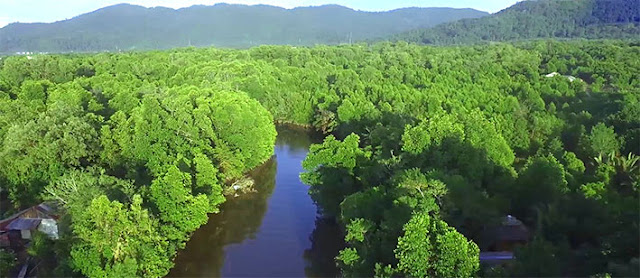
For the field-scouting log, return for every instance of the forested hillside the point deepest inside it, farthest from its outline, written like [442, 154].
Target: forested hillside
[426, 147]
[563, 19]
[125, 27]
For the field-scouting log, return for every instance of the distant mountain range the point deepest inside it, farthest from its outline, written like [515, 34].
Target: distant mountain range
[561, 19]
[126, 27]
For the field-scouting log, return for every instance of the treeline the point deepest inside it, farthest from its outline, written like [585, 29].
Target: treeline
[127, 27]
[429, 146]
[561, 19]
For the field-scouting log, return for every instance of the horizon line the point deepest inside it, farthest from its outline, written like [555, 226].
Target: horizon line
[234, 4]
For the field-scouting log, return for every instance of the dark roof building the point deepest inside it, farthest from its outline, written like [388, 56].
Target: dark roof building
[24, 224]
[506, 235]
[496, 258]
[511, 229]
[37, 218]
[501, 240]
[40, 211]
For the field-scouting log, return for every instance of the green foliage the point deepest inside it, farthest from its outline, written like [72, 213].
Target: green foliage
[246, 127]
[357, 229]
[334, 154]
[493, 141]
[339, 158]
[41, 149]
[601, 141]
[416, 182]
[7, 261]
[40, 245]
[540, 258]
[76, 189]
[115, 241]
[572, 163]
[430, 248]
[431, 132]
[539, 19]
[180, 213]
[593, 190]
[540, 183]
[348, 256]
[206, 181]
[102, 133]
[465, 135]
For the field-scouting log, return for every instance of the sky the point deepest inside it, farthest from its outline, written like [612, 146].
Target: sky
[55, 10]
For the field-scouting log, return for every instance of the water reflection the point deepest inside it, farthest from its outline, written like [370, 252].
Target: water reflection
[238, 220]
[297, 139]
[326, 242]
[274, 232]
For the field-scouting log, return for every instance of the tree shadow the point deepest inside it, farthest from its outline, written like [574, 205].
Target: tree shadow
[239, 219]
[327, 240]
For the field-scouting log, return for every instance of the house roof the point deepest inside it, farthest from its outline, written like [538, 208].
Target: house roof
[511, 229]
[511, 233]
[569, 77]
[496, 256]
[511, 221]
[24, 224]
[42, 210]
[48, 210]
[506, 229]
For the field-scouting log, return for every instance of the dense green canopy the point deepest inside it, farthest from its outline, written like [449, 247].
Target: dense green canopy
[137, 164]
[429, 146]
[561, 19]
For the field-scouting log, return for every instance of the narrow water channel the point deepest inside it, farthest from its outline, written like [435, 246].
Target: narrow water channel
[273, 232]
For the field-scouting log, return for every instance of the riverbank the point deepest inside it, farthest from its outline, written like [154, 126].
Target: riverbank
[278, 217]
[293, 125]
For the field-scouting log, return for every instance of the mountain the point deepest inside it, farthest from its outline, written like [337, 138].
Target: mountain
[563, 19]
[127, 26]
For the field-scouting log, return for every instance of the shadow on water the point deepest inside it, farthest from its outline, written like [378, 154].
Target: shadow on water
[327, 240]
[273, 232]
[239, 219]
[297, 139]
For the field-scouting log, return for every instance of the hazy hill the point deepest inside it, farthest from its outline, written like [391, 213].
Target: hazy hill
[133, 27]
[591, 19]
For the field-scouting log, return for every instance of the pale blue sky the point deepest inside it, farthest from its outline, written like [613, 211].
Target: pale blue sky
[54, 10]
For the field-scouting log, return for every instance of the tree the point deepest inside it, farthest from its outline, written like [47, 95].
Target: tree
[601, 141]
[7, 261]
[540, 183]
[430, 248]
[335, 154]
[539, 258]
[206, 181]
[39, 151]
[180, 213]
[330, 171]
[244, 126]
[418, 185]
[114, 241]
[430, 133]
[464, 134]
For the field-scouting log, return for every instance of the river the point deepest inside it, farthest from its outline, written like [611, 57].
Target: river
[273, 232]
